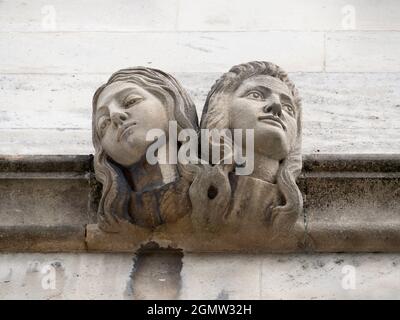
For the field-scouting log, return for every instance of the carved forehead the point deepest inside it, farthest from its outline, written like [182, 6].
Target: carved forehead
[272, 83]
[118, 88]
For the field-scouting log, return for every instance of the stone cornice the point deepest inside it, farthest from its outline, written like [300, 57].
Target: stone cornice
[351, 204]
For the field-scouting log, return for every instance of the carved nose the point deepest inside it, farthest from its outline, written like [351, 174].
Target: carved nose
[118, 118]
[275, 109]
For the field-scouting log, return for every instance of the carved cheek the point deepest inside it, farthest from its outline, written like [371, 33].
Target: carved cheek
[292, 129]
[236, 108]
[243, 112]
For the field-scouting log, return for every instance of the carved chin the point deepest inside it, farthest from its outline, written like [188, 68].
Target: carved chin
[277, 149]
[128, 139]
[125, 155]
[272, 143]
[133, 144]
[275, 154]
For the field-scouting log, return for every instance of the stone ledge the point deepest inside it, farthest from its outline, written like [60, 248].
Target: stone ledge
[311, 163]
[65, 238]
[46, 163]
[351, 204]
[351, 163]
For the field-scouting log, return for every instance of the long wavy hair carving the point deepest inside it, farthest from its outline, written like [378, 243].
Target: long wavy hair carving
[116, 192]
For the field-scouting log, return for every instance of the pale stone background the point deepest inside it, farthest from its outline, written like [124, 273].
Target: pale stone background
[218, 276]
[55, 53]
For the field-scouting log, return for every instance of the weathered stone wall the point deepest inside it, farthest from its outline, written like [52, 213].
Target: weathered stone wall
[348, 74]
[199, 276]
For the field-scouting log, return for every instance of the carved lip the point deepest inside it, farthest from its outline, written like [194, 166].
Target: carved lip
[122, 130]
[273, 118]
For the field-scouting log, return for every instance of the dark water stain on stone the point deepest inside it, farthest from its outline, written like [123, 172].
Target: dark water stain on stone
[223, 295]
[156, 273]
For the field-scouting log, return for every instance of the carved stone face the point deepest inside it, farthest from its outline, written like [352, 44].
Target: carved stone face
[265, 104]
[125, 112]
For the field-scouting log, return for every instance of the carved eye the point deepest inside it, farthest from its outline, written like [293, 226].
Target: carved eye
[289, 108]
[256, 95]
[131, 100]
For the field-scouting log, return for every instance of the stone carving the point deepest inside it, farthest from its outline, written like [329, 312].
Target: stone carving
[132, 102]
[259, 96]
[211, 196]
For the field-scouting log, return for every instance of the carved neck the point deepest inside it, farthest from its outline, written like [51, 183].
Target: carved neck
[144, 176]
[265, 168]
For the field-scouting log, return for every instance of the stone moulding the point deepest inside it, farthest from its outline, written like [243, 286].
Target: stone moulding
[351, 204]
